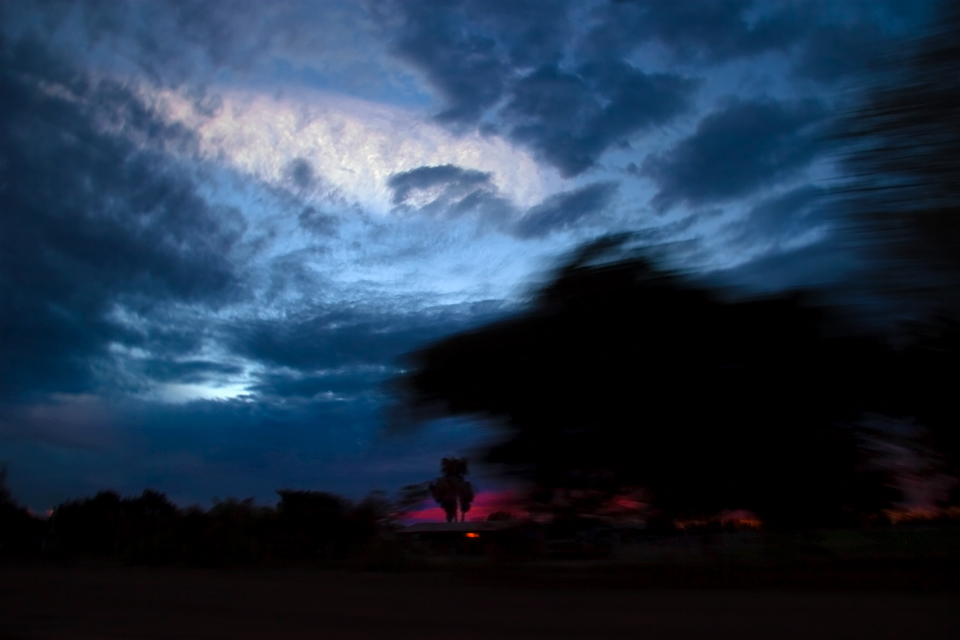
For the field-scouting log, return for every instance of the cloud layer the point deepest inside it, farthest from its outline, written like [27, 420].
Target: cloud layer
[225, 223]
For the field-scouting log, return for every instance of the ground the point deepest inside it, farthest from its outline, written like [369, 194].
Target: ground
[97, 601]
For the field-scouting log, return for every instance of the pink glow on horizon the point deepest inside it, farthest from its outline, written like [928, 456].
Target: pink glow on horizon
[484, 504]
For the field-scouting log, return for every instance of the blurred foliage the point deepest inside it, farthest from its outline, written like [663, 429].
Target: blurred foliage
[901, 194]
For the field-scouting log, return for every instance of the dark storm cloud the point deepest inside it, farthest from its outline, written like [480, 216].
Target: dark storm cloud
[833, 52]
[191, 44]
[532, 32]
[781, 218]
[449, 191]
[480, 57]
[300, 172]
[570, 119]
[564, 210]
[318, 222]
[707, 31]
[469, 70]
[92, 217]
[167, 41]
[735, 150]
[470, 51]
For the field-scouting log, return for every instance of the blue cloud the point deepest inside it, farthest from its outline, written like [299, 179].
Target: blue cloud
[736, 150]
[448, 176]
[706, 31]
[570, 119]
[784, 217]
[564, 210]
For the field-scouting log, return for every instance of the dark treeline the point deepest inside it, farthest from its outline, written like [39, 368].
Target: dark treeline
[305, 527]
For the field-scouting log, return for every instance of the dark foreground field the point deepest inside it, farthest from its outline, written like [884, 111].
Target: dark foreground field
[137, 602]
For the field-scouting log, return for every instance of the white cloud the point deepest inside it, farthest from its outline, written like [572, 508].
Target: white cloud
[353, 146]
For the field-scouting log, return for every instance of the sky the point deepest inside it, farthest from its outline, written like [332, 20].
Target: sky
[222, 224]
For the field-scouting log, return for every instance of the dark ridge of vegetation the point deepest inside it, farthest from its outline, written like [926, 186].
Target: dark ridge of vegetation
[305, 527]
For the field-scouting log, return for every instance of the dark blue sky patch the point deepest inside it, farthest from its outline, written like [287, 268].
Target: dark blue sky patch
[833, 52]
[532, 33]
[735, 150]
[300, 172]
[820, 264]
[200, 450]
[318, 222]
[705, 31]
[782, 218]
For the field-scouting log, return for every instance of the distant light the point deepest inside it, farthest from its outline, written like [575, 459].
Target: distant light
[473, 535]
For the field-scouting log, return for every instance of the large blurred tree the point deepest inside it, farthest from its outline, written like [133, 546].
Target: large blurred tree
[621, 375]
[902, 165]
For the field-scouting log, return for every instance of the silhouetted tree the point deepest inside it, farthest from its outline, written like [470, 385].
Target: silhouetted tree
[140, 528]
[20, 532]
[313, 523]
[238, 532]
[372, 514]
[5, 496]
[90, 525]
[622, 375]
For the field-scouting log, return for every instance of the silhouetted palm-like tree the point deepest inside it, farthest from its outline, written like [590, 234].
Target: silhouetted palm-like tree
[451, 489]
